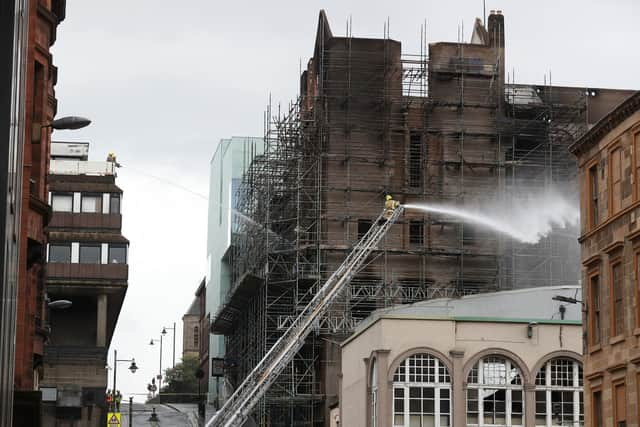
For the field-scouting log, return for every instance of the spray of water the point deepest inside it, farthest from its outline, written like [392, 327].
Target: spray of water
[526, 219]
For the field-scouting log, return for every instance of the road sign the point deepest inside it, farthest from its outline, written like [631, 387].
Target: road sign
[113, 419]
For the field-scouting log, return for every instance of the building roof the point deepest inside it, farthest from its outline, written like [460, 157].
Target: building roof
[518, 306]
[606, 124]
[194, 308]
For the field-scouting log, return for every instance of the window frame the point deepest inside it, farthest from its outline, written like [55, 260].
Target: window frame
[595, 315]
[68, 245]
[616, 146]
[480, 386]
[416, 239]
[593, 210]
[409, 376]
[613, 313]
[636, 269]
[635, 141]
[362, 222]
[415, 161]
[119, 246]
[97, 196]
[113, 196]
[576, 388]
[92, 245]
[596, 415]
[615, 384]
[55, 194]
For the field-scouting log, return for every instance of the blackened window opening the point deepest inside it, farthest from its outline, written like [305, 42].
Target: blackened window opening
[416, 233]
[415, 160]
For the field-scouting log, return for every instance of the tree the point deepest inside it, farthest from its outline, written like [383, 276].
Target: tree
[182, 378]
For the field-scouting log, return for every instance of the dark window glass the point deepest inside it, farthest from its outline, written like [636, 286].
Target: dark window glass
[618, 303]
[593, 196]
[416, 233]
[415, 160]
[59, 253]
[90, 254]
[114, 204]
[363, 226]
[117, 254]
[594, 325]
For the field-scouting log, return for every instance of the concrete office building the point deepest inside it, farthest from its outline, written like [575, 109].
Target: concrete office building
[511, 358]
[609, 161]
[228, 164]
[87, 265]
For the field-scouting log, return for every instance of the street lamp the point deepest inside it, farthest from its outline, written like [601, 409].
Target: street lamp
[164, 332]
[60, 304]
[133, 368]
[152, 342]
[68, 123]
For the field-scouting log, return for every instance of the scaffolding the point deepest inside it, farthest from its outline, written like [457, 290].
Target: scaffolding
[439, 126]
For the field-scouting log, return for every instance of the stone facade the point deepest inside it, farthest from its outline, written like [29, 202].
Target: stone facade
[609, 160]
[484, 330]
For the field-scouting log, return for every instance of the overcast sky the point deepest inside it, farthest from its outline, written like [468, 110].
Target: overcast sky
[163, 81]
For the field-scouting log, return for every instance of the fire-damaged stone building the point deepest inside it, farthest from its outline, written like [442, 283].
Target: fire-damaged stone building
[87, 265]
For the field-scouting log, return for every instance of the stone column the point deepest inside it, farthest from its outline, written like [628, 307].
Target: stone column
[101, 321]
[458, 389]
[529, 405]
[385, 390]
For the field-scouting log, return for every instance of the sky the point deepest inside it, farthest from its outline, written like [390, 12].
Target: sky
[163, 81]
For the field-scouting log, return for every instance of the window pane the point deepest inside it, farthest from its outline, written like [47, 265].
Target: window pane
[114, 204]
[117, 254]
[59, 253]
[62, 202]
[90, 254]
[91, 204]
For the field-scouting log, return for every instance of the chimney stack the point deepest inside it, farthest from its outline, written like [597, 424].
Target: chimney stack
[495, 29]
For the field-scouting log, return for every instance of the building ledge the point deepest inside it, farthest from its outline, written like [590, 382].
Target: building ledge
[82, 272]
[74, 354]
[75, 221]
[237, 298]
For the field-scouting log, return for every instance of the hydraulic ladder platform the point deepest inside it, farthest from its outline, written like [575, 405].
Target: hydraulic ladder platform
[238, 407]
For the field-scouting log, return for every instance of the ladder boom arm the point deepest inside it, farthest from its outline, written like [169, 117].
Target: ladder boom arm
[238, 407]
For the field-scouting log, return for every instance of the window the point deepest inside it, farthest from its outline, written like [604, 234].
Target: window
[196, 337]
[617, 306]
[615, 180]
[374, 393]
[416, 233]
[594, 310]
[421, 393]
[117, 254]
[636, 147]
[61, 202]
[637, 291]
[114, 203]
[60, 252]
[91, 203]
[620, 404]
[596, 409]
[495, 394]
[592, 215]
[90, 254]
[363, 226]
[559, 399]
[415, 160]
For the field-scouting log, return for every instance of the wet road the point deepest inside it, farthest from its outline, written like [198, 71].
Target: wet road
[169, 415]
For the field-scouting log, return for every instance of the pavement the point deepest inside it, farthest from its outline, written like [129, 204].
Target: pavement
[169, 415]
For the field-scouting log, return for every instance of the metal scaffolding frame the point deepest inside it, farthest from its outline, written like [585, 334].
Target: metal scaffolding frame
[329, 158]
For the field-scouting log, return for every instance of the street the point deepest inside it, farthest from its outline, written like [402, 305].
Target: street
[182, 415]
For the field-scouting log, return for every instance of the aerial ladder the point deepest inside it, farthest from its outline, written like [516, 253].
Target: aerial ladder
[239, 406]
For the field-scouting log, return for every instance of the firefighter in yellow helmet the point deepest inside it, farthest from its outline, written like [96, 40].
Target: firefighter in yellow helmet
[111, 157]
[390, 205]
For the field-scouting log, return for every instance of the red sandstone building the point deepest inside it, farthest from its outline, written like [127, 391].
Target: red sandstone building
[40, 108]
[609, 164]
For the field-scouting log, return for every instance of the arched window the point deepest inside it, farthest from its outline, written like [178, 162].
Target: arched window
[495, 395]
[559, 399]
[196, 337]
[421, 393]
[374, 393]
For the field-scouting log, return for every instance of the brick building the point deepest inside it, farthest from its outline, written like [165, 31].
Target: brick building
[442, 125]
[40, 109]
[191, 330]
[609, 164]
[87, 258]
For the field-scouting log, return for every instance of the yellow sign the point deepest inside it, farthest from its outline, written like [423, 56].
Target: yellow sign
[113, 419]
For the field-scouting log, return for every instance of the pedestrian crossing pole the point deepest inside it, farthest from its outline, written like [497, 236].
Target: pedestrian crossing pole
[131, 411]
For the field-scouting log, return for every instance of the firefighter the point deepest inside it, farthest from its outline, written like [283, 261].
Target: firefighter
[390, 205]
[111, 157]
[109, 399]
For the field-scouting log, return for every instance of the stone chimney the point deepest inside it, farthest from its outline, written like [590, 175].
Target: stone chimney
[496, 29]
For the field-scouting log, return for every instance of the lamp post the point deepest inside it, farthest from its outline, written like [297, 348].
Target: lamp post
[160, 372]
[164, 332]
[133, 368]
